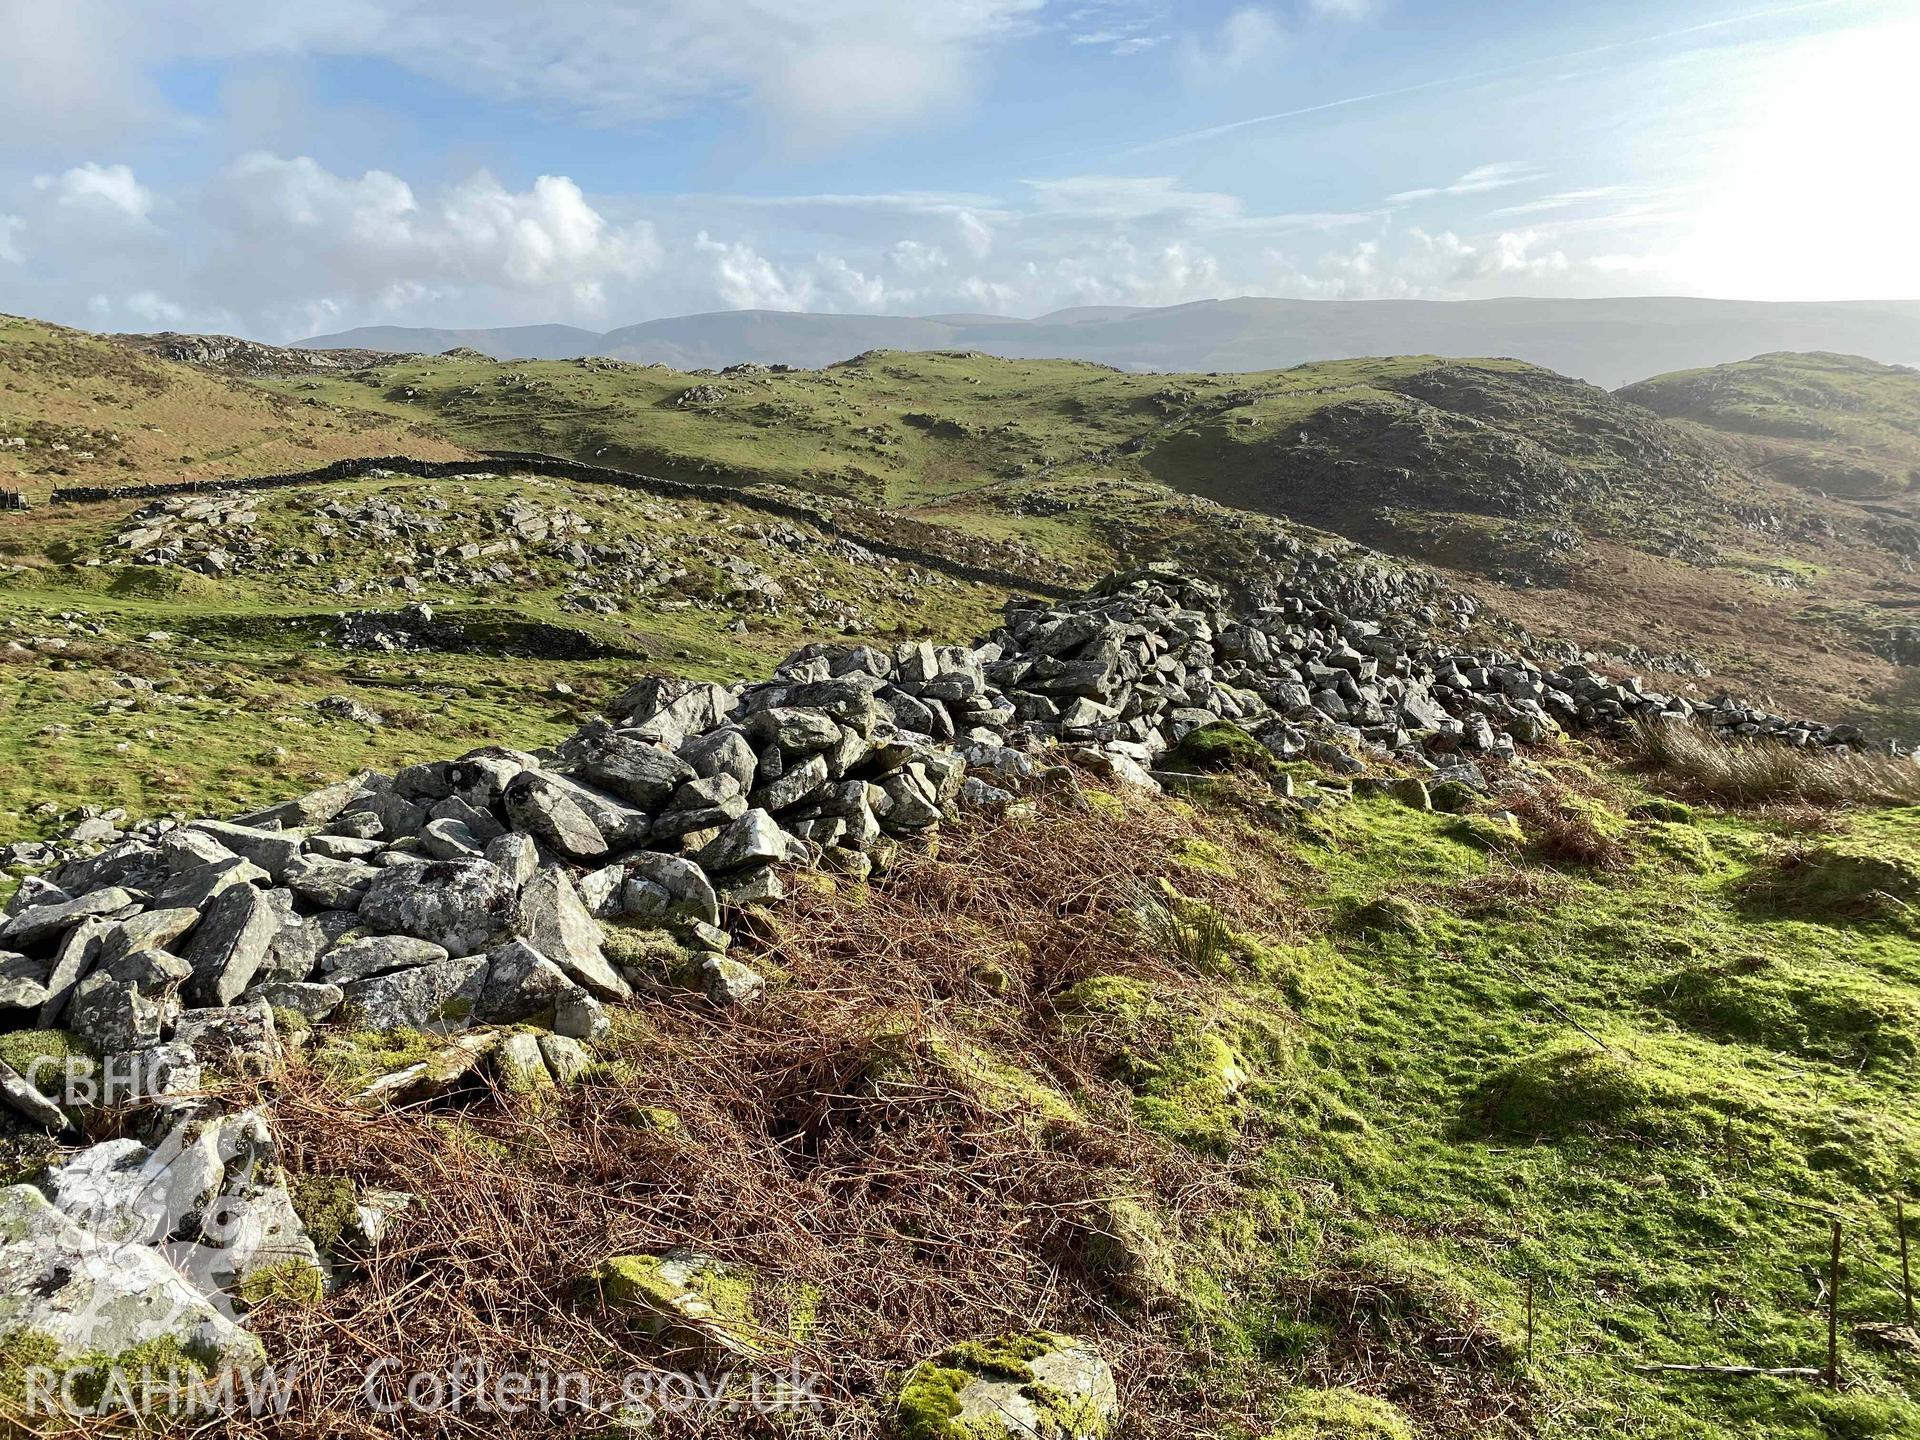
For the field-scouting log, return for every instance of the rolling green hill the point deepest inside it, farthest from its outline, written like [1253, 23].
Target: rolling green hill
[1829, 422]
[78, 409]
[1576, 513]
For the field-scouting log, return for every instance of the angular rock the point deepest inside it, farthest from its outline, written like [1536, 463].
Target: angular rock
[230, 945]
[93, 1296]
[377, 955]
[553, 920]
[754, 839]
[271, 850]
[1038, 1384]
[521, 984]
[27, 1101]
[541, 808]
[516, 855]
[194, 886]
[113, 1016]
[43, 924]
[330, 884]
[457, 904]
[315, 999]
[437, 996]
[637, 771]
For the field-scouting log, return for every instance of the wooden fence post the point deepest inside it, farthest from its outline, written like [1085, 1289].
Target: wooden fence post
[1906, 1275]
[1833, 1312]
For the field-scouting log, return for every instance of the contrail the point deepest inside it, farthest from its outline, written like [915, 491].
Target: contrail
[1211, 131]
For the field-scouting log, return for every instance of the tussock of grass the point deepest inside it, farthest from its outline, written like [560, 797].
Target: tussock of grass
[1699, 762]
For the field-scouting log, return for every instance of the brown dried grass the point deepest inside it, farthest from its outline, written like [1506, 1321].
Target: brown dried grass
[823, 1141]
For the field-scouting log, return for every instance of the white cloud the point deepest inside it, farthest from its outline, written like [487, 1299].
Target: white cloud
[823, 69]
[975, 233]
[361, 237]
[1249, 42]
[911, 257]
[282, 247]
[1116, 197]
[746, 280]
[101, 189]
[1476, 181]
[1345, 9]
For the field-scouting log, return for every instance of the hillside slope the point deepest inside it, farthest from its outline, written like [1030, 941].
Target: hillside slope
[1579, 514]
[1608, 342]
[1838, 423]
[78, 409]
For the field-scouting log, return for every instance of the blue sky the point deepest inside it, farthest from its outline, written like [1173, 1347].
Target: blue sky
[278, 169]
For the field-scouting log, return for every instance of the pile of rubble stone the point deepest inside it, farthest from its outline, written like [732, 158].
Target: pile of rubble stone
[497, 889]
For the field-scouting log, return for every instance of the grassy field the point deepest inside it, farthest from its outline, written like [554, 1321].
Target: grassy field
[158, 688]
[79, 410]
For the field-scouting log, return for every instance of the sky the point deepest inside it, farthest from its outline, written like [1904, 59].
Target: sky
[277, 169]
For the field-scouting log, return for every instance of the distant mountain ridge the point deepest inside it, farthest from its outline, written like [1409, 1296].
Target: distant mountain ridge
[1608, 342]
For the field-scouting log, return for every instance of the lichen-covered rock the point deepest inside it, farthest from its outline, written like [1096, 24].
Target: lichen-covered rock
[521, 985]
[459, 905]
[552, 918]
[540, 807]
[100, 1298]
[230, 944]
[685, 1298]
[1033, 1386]
[420, 997]
[124, 1191]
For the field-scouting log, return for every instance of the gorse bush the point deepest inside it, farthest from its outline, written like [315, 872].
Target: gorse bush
[1696, 759]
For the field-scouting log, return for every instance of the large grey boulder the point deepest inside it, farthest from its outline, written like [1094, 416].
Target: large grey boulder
[330, 884]
[125, 1191]
[796, 784]
[230, 945]
[689, 892]
[521, 984]
[78, 952]
[667, 709]
[271, 850]
[250, 1231]
[635, 770]
[194, 886]
[23, 981]
[725, 751]
[377, 955]
[539, 807]
[98, 1297]
[150, 930]
[112, 1015]
[43, 924]
[754, 839]
[553, 919]
[457, 904]
[437, 996]
[516, 855]
[793, 729]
